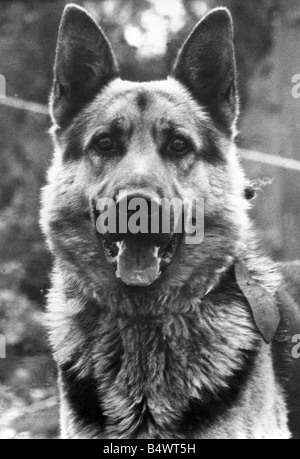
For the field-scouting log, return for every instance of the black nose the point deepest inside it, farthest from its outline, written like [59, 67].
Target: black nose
[139, 215]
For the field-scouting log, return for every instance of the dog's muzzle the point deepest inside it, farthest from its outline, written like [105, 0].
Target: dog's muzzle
[144, 242]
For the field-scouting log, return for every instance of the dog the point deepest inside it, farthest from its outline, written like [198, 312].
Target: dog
[155, 338]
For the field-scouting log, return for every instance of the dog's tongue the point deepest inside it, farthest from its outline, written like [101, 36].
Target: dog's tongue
[138, 265]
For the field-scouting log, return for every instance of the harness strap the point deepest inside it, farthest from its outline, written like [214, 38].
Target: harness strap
[264, 307]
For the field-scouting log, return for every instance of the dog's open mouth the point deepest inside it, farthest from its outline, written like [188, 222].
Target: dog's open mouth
[139, 262]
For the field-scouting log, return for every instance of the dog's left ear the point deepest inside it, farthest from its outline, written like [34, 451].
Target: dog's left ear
[206, 66]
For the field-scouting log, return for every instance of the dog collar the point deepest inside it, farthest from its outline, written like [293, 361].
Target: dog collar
[263, 306]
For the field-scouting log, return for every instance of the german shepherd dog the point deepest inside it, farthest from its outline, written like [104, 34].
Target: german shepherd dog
[155, 338]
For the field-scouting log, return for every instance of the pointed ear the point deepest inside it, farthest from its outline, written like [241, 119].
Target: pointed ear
[84, 64]
[206, 66]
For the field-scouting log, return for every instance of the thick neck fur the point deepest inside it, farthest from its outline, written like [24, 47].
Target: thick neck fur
[163, 366]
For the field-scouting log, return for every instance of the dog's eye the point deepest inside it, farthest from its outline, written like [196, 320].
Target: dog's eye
[104, 144]
[179, 146]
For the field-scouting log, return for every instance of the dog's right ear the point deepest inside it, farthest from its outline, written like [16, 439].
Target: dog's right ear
[84, 64]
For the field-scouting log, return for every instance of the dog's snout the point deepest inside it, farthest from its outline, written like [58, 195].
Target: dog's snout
[139, 214]
[147, 195]
[148, 205]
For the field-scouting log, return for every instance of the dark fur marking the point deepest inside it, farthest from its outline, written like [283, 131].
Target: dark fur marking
[121, 132]
[142, 101]
[210, 152]
[73, 150]
[203, 415]
[82, 395]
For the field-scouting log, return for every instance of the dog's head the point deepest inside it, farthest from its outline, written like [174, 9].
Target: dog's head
[123, 149]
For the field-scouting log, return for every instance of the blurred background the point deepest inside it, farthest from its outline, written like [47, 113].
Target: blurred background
[145, 35]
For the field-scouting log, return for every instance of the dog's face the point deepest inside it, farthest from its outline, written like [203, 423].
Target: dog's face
[154, 141]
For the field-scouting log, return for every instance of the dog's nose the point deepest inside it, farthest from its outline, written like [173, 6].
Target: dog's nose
[143, 193]
[147, 204]
[139, 214]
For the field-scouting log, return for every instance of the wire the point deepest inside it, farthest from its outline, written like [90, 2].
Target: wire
[248, 155]
[272, 160]
[20, 104]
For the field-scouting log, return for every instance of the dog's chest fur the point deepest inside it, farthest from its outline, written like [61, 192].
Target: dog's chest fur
[157, 370]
